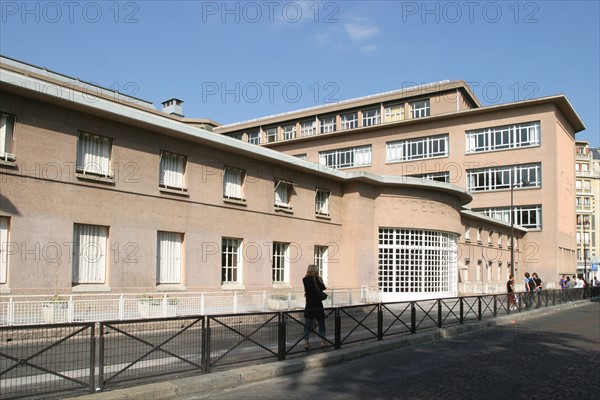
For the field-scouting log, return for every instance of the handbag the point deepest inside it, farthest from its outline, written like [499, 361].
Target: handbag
[321, 295]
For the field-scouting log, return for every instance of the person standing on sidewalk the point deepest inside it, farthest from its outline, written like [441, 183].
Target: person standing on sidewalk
[313, 287]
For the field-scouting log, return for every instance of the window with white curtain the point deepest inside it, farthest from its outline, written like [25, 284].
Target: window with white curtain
[89, 258]
[172, 171]
[3, 249]
[93, 155]
[7, 126]
[283, 191]
[233, 183]
[322, 202]
[169, 257]
[394, 113]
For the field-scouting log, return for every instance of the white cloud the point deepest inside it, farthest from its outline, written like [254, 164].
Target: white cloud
[360, 29]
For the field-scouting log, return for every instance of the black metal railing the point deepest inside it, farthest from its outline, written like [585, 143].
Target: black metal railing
[39, 359]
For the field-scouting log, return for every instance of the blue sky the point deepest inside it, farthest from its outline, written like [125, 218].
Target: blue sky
[238, 60]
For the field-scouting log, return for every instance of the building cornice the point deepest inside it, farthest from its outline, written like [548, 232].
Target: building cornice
[31, 85]
[360, 102]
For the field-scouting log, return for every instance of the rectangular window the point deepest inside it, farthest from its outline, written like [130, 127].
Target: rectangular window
[231, 260]
[394, 113]
[503, 137]
[289, 132]
[308, 128]
[467, 233]
[349, 121]
[321, 260]
[371, 117]
[93, 155]
[419, 109]
[271, 135]
[3, 249]
[283, 191]
[89, 254]
[238, 136]
[346, 158]
[254, 137]
[281, 264]
[417, 148]
[322, 202]
[504, 177]
[328, 124]
[526, 216]
[417, 261]
[233, 183]
[172, 171]
[434, 176]
[168, 257]
[7, 127]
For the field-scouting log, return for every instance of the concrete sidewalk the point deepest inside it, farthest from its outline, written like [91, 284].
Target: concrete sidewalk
[185, 387]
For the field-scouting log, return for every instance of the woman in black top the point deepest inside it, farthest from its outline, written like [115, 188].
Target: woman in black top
[314, 305]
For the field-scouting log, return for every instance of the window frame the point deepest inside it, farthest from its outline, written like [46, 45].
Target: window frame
[172, 185]
[4, 242]
[279, 202]
[240, 186]
[280, 263]
[347, 157]
[322, 205]
[99, 276]
[420, 111]
[7, 137]
[169, 272]
[231, 261]
[418, 148]
[81, 165]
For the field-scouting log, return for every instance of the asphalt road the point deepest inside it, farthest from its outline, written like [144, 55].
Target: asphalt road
[555, 355]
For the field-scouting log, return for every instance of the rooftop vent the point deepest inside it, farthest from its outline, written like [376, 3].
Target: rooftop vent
[173, 106]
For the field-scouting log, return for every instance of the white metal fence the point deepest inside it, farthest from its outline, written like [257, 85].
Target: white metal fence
[44, 309]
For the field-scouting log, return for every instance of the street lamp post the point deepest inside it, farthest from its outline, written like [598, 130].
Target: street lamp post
[512, 231]
[584, 223]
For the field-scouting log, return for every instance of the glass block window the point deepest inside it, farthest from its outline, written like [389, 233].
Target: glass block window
[417, 261]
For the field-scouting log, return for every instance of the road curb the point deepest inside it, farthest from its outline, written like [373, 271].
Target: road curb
[185, 387]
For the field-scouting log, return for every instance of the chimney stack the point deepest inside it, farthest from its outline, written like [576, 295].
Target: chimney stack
[173, 106]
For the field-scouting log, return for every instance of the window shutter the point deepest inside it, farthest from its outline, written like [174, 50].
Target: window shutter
[3, 249]
[169, 257]
[91, 253]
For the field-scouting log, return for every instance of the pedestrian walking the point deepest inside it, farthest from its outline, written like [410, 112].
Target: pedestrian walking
[563, 282]
[510, 290]
[313, 291]
[537, 289]
[529, 291]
